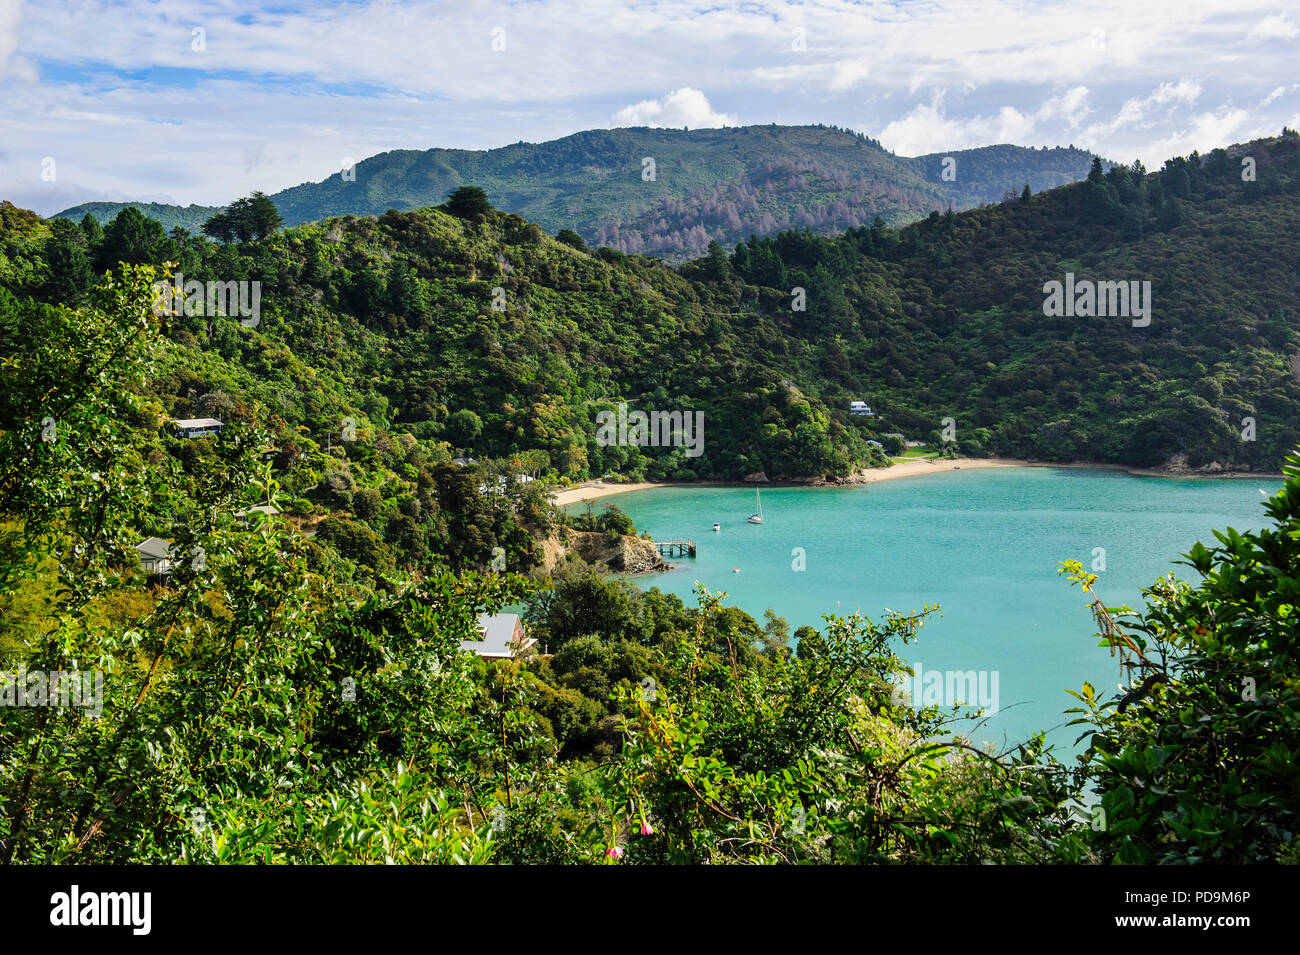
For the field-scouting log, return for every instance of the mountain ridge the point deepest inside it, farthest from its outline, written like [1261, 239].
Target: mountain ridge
[669, 192]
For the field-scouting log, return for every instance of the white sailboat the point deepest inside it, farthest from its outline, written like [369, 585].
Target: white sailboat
[757, 518]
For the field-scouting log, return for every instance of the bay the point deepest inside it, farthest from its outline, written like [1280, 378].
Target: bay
[984, 544]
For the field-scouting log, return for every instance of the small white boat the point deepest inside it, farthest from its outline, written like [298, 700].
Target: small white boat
[717, 526]
[757, 518]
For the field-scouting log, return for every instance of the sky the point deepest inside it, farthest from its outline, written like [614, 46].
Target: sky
[203, 101]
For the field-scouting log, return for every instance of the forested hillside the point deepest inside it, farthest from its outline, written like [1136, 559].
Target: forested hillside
[946, 318]
[702, 185]
[401, 316]
[189, 217]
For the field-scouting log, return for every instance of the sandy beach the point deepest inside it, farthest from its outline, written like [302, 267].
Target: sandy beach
[595, 489]
[917, 467]
[899, 469]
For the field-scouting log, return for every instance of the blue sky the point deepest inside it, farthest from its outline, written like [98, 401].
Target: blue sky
[204, 101]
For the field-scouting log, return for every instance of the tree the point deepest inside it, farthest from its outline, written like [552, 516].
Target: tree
[91, 228]
[569, 237]
[366, 292]
[716, 266]
[70, 273]
[219, 227]
[467, 202]
[246, 219]
[405, 292]
[587, 604]
[464, 427]
[357, 542]
[894, 445]
[133, 238]
[264, 215]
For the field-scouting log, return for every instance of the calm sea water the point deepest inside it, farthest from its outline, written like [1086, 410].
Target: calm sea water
[983, 544]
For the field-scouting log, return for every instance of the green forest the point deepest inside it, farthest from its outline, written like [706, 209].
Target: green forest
[487, 334]
[295, 690]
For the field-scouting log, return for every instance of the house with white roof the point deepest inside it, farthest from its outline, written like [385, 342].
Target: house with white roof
[155, 556]
[860, 408]
[197, 427]
[504, 637]
[270, 510]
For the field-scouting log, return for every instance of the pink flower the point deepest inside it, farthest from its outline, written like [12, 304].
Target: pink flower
[647, 829]
[614, 852]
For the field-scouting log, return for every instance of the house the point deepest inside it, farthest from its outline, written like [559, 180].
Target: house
[270, 510]
[462, 462]
[860, 408]
[155, 556]
[197, 427]
[502, 483]
[504, 637]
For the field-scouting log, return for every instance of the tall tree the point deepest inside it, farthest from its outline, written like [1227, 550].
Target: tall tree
[93, 230]
[70, 272]
[467, 202]
[134, 238]
[251, 217]
[265, 216]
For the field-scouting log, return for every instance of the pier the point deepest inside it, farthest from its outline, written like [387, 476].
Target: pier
[676, 548]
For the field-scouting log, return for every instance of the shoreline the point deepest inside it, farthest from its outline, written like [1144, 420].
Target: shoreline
[595, 490]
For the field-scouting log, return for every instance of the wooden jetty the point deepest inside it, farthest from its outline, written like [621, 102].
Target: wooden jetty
[676, 548]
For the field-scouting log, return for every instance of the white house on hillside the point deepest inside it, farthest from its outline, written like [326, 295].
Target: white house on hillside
[860, 408]
[197, 427]
[504, 637]
[155, 556]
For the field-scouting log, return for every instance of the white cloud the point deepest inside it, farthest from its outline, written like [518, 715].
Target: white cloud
[1184, 91]
[849, 74]
[1277, 93]
[928, 129]
[684, 107]
[1207, 130]
[1136, 111]
[11, 16]
[1274, 28]
[1070, 107]
[298, 87]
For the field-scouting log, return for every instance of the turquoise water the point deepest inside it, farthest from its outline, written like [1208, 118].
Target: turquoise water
[984, 544]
